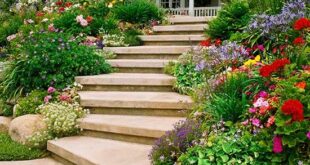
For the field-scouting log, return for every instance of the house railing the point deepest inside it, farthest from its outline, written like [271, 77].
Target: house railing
[198, 11]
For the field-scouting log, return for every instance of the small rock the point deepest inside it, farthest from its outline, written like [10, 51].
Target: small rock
[25, 126]
[4, 124]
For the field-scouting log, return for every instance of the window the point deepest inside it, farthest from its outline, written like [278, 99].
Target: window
[164, 3]
[174, 3]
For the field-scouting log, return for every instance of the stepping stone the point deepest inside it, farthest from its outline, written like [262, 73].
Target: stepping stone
[84, 150]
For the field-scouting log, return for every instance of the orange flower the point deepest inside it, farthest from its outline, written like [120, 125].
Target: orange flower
[301, 85]
[89, 19]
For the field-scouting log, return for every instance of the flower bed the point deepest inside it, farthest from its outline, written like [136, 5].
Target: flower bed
[251, 93]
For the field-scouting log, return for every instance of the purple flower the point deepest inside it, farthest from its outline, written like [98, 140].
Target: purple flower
[256, 122]
[51, 90]
[200, 66]
[308, 135]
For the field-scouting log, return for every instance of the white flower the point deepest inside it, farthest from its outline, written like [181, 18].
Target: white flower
[11, 37]
[45, 20]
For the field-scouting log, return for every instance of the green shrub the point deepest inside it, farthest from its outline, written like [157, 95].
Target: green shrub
[132, 37]
[30, 103]
[8, 27]
[50, 59]
[138, 12]
[268, 6]
[10, 150]
[232, 18]
[229, 100]
[5, 108]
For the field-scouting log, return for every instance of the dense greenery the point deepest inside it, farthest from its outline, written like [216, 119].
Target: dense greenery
[10, 150]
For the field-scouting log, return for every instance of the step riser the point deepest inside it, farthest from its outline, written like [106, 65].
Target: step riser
[139, 70]
[138, 112]
[169, 43]
[148, 56]
[120, 137]
[179, 32]
[127, 88]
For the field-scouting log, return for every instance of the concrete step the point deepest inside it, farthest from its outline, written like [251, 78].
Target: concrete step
[180, 29]
[84, 150]
[127, 82]
[189, 20]
[172, 39]
[139, 65]
[138, 129]
[43, 161]
[136, 103]
[149, 52]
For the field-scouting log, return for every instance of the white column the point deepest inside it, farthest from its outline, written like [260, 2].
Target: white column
[170, 4]
[158, 3]
[182, 3]
[191, 8]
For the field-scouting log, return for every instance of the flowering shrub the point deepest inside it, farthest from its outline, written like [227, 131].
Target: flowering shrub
[50, 59]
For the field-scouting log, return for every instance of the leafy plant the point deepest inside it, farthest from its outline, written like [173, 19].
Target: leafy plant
[138, 12]
[8, 27]
[132, 37]
[50, 59]
[30, 103]
[232, 18]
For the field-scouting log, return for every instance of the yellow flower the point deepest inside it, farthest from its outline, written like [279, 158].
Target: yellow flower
[252, 62]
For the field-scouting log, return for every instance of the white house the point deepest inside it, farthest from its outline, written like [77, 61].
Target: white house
[196, 8]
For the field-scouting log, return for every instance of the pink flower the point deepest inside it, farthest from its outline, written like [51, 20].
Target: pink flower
[256, 122]
[277, 144]
[260, 102]
[83, 22]
[246, 122]
[260, 47]
[263, 94]
[79, 18]
[308, 135]
[270, 121]
[51, 90]
[64, 97]
[252, 110]
[47, 99]
[51, 28]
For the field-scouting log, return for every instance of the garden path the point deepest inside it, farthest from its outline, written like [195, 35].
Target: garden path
[133, 107]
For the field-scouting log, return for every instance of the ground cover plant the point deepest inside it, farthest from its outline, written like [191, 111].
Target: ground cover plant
[253, 102]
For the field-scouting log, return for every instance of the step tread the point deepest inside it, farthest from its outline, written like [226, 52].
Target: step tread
[172, 38]
[149, 49]
[156, 100]
[146, 126]
[89, 150]
[176, 28]
[139, 63]
[43, 161]
[145, 79]
[189, 19]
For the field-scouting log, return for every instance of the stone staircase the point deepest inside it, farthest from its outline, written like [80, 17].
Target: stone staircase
[132, 108]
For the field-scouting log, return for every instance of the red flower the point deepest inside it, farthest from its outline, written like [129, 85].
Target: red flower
[89, 19]
[59, 3]
[68, 4]
[299, 41]
[294, 108]
[39, 14]
[61, 9]
[301, 85]
[218, 42]
[267, 70]
[302, 23]
[206, 43]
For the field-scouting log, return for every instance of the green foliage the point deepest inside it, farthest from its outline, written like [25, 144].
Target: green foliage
[50, 59]
[5, 108]
[10, 150]
[229, 100]
[266, 6]
[8, 27]
[138, 12]
[29, 104]
[232, 18]
[132, 37]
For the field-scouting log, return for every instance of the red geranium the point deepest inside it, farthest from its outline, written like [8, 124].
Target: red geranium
[294, 108]
[61, 9]
[89, 19]
[302, 23]
[68, 4]
[218, 42]
[206, 43]
[39, 14]
[267, 70]
[59, 3]
[299, 41]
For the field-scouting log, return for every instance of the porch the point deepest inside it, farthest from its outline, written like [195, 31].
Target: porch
[197, 8]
